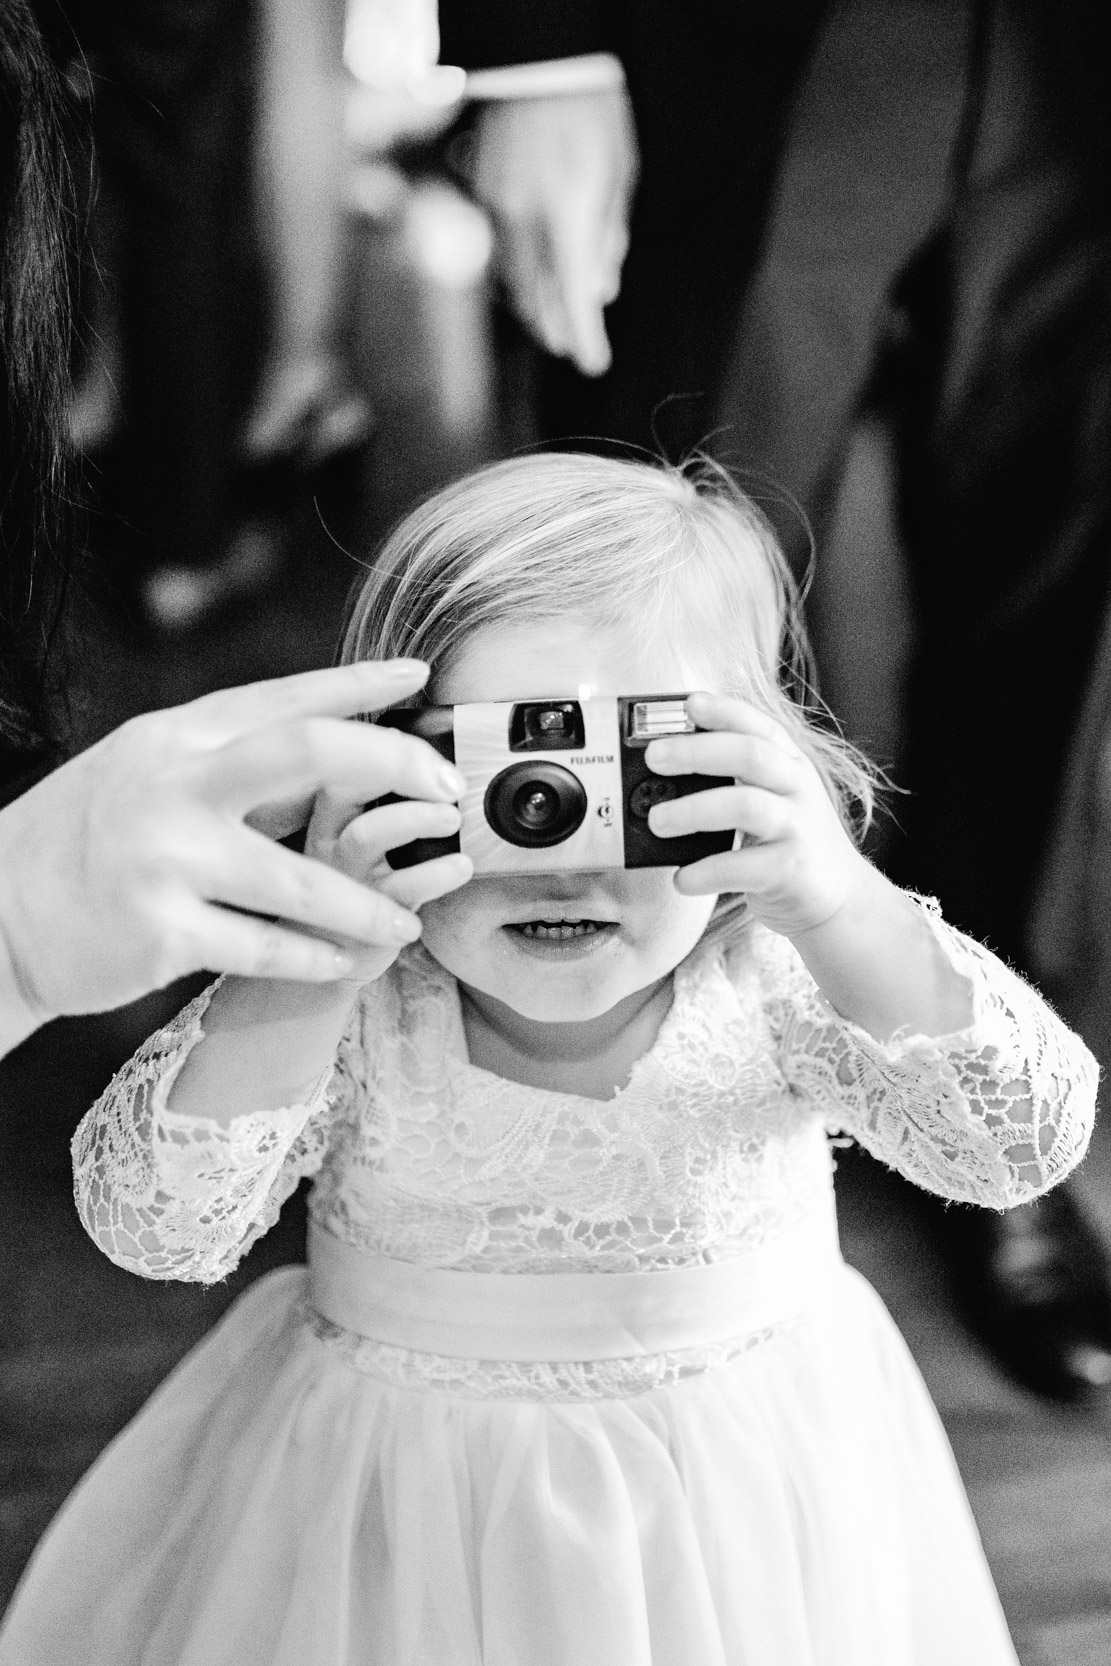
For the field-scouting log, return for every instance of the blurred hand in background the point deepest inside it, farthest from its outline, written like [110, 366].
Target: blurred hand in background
[558, 175]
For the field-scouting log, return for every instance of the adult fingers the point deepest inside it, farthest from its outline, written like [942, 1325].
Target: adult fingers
[221, 940]
[614, 250]
[252, 873]
[413, 887]
[581, 280]
[615, 237]
[526, 264]
[354, 762]
[339, 691]
[551, 325]
[589, 347]
[762, 815]
[749, 758]
[544, 311]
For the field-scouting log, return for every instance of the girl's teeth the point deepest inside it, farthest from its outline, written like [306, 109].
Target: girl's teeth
[558, 929]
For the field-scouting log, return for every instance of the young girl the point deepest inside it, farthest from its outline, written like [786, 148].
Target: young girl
[575, 1375]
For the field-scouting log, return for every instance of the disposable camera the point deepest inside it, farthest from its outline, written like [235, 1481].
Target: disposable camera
[560, 784]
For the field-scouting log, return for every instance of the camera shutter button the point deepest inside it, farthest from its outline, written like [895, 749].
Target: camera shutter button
[654, 789]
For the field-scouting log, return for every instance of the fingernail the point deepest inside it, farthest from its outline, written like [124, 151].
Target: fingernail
[406, 928]
[343, 963]
[662, 752]
[405, 669]
[449, 780]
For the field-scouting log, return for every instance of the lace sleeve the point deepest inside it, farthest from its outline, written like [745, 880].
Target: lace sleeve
[173, 1196]
[995, 1114]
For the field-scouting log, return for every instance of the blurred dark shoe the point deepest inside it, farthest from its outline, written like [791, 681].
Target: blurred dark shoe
[175, 600]
[312, 418]
[94, 413]
[1034, 1287]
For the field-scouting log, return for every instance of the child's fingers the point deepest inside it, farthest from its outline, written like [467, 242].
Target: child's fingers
[748, 758]
[327, 820]
[762, 815]
[751, 870]
[411, 888]
[367, 838]
[727, 711]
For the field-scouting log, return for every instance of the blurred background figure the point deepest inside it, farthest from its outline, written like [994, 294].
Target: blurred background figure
[304, 401]
[984, 430]
[306, 410]
[171, 88]
[218, 381]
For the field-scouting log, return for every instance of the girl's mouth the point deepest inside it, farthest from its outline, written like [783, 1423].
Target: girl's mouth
[562, 939]
[558, 928]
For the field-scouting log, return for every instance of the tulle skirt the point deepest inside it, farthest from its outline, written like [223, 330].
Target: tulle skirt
[275, 1505]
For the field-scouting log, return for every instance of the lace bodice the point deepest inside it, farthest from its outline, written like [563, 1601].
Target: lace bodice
[717, 1144]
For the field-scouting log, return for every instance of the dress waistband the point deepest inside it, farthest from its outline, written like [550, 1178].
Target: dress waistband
[568, 1316]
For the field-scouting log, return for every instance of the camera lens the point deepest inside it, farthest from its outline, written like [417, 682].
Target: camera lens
[535, 804]
[535, 807]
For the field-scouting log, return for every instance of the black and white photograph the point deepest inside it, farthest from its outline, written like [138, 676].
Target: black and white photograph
[555, 833]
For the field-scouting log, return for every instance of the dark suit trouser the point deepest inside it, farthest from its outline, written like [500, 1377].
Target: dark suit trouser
[1006, 474]
[173, 121]
[712, 87]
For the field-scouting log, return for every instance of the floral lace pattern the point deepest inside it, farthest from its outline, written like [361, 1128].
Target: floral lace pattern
[175, 1196]
[994, 1115]
[702, 1154]
[717, 1144]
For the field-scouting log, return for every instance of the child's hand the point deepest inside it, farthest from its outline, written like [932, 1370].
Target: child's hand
[355, 840]
[797, 865]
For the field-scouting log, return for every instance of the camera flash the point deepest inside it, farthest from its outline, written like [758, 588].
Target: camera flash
[652, 718]
[586, 691]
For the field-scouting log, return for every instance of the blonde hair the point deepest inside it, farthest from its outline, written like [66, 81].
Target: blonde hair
[652, 550]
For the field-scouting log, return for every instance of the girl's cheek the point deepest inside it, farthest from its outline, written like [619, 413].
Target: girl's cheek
[680, 923]
[445, 916]
[453, 929]
[663, 913]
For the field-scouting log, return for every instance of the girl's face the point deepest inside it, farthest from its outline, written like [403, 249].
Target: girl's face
[564, 947]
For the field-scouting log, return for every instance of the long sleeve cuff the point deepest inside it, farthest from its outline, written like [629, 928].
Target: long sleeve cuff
[170, 1195]
[594, 72]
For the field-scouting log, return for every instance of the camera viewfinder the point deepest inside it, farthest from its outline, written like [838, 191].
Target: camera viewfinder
[546, 726]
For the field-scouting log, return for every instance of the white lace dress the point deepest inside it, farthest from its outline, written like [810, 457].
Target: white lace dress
[567, 1383]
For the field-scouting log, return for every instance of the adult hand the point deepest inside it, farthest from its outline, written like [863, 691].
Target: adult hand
[558, 176]
[129, 866]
